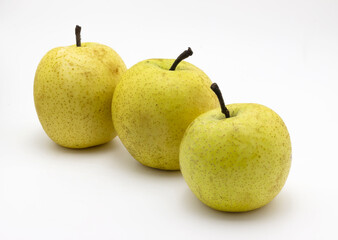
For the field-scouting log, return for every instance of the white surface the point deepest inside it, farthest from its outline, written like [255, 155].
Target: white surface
[283, 54]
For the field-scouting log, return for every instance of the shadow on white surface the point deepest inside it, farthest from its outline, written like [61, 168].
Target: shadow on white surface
[113, 153]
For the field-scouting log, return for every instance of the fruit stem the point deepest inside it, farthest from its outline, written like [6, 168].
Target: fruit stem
[78, 35]
[218, 93]
[182, 56]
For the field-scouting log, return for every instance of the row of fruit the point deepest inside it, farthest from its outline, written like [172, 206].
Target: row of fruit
[168, 115]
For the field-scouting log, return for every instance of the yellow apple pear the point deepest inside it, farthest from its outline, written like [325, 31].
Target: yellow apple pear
[154, 103]
[237, 159]
[73, 90]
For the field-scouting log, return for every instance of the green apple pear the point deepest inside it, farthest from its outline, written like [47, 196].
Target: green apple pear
[237, 159]
[154, 103]
[73, 90]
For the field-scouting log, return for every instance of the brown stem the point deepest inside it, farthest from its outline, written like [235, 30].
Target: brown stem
[78, 35]
[218, 93]
[182, 56]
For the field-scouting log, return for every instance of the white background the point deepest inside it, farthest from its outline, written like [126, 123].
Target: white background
[283, 54]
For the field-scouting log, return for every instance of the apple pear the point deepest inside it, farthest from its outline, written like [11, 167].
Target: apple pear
[73, 90]
[236, 159]
[154, 103]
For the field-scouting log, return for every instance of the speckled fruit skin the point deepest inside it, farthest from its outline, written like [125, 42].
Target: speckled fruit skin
[73, 90]
[239, 163]
[152, 107]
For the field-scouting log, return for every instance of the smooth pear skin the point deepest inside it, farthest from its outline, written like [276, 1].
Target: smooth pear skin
[239, 163]
[73, 90]
[152, 107]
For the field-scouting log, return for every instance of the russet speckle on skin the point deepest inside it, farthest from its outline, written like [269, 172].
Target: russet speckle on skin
[73, 89]
[239, 163]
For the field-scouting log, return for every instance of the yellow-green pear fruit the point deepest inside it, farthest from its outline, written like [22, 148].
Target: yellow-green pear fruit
[73, 90]
[153, 105]
[238, 163]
